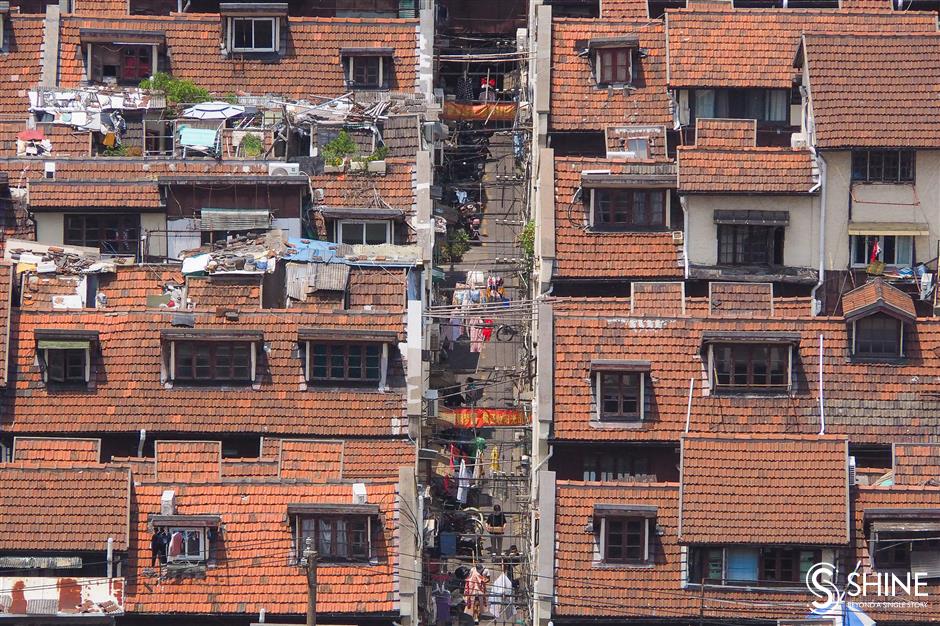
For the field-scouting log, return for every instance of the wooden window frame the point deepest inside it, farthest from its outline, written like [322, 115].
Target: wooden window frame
[620, 416]
[700, 556]
[211, 349]
[120, 223]
[855, 241]
[613, 467]
[66, 380]
[605, 59]
[872, 166]
[741, 235]
[605, 533]
[751, 348]
[628, 198]
[325, 556]
[857, 338]
[345, 347]
[275, 33]
[349, 72]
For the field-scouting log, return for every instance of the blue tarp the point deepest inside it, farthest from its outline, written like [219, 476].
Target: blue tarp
[197, 137]
[311, 250]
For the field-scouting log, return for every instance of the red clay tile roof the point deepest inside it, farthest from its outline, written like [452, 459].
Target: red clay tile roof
[188, 461]
[210, 293]
[39, 291]
[916, 463]
[65, 140]
[900, 402]
[249, 469]
[128, 394]
[379, 288]
[396, 188]
[769, 489]
[123, 169]
[585, 254]
[725, 133]
[576, 101]
[21, 66]
[657, 299]
[57, 451]
[99, 7]
[7, 278]
[375, 458]
[737, 300]
[193, 45]
[755, 47]
[127, 288]
[58, 195]
[255, 549]
[877, 295]
[310, 460]
[745, 170]
[865, 92]
[42, 509]
[626, 10]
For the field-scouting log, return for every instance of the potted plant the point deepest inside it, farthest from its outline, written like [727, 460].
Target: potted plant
[336, 153]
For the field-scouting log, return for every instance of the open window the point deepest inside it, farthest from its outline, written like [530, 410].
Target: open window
[623, 533]
[613, 59]
[4, 16]
[340, 533]
[367, 68]
[185, 539]
[211, 357]
[751, 362]
[346, 357]
[65, 356]
[121, 57]
[751, 238]
[620, 389]
[253, 27]
[767, 106]
[627, 202]
[751, 566]
[904, 540]
[892, 250]
[877, 314]
[116, 234]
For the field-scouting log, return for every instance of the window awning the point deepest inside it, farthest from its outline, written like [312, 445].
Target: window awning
[903, 514]
[753, 218]
[333, 509]
[626, 181]
[628, 41]
[125, 37]
[367, 52]
[187, 521]
[345, 334]
[234, 219]
[210, 334]
[750, 337]
[372, 213]
[888, 228]
[613, 365]
[65, 339]
[625, 510]
[901, 526]
[262, 9]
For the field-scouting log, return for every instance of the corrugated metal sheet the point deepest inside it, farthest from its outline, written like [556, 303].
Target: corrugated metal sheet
[234, 219]
[40, 562]
[299, 279]
[330, 277]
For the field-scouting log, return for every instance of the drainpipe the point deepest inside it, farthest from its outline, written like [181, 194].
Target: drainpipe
[143, 440]
[821, 160]
[822, 405]
[110, 557]
[685, 234]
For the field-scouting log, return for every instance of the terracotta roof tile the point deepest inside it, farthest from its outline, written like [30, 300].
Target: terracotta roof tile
[188, 461]
[866, 93]
[65, 140]
[122, 169]
[257, 548]
[41, 508]
[627, 10]
[764, 490]
[375, 458]
[578, 104]
[725, 133]
[657, 299]
[99, 7]
[212, 292]
[314, 461]
[312, 42]
[581, 253]
[379, 289]
[877, 295]
[737, 300]
[249, 469]
[755, 47]
[745, 170]
[916, 463]
[20, 67]
[57, 451]
[58, 195]
[128, 393]
[127, 288]
[7, 279]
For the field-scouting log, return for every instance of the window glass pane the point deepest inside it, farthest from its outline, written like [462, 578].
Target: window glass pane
[876, 163]
[639, 147]
[860, 165]
[704, 103]
[903, 250]
[742, 564]
[352, 233]
[242, 33]
[778, 105]
[907, 166]
[376, 233]
[264, 34]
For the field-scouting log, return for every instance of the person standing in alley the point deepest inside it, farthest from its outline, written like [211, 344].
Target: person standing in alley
[496, 527]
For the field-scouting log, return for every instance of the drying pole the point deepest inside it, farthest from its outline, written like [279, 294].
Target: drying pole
[311, 557]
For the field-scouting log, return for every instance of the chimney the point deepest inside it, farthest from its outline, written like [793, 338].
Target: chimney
[168, 503]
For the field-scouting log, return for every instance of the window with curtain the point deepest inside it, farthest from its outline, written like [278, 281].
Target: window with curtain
[336, 537]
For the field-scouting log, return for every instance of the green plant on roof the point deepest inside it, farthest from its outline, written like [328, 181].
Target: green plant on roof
[527, 243]
[379, 153]
[177, 90]
[338, 149]
[251, 145]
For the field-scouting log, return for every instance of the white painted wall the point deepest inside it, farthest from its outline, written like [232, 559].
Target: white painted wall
[800, 241]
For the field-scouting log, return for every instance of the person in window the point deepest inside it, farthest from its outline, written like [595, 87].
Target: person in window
[473, 391]
[158, 544]
[496, 526]
[488, 90]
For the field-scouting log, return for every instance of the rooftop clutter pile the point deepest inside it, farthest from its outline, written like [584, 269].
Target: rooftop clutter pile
[29, 256]
[91, 108]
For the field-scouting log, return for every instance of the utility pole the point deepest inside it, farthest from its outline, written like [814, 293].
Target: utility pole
[311, 556]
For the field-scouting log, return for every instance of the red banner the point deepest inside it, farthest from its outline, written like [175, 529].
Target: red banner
[483, 417]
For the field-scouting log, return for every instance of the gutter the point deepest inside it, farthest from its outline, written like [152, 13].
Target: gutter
[685, 234]
[821, 160]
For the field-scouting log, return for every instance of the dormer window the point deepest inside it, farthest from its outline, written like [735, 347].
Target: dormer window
[367, 68]
[208, 357]
[613, 60]
[620, 389]
[346, 357]
[340, 533]
[65, 356]
[623, 533]
[120, 57]
[878, 337]
[185, 539]
[751, 362]
[628, 209]
[253, 27]
[876, 314]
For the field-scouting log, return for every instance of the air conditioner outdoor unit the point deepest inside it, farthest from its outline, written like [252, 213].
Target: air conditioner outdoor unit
[677, 236]
[283, 169]
[798, 140]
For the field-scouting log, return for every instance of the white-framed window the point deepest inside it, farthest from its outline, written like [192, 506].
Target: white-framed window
[66, 366]
[366, 72]
[897, 250]
[624, 540]
[369, 232]
[619, 395]
[253, 34]
[187, 545]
